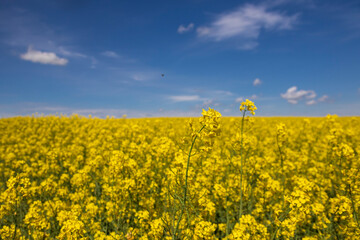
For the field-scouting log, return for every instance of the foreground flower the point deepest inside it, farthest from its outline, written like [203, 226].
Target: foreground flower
[211, 127]
[211, 121]
[248, 106]
[245, 106]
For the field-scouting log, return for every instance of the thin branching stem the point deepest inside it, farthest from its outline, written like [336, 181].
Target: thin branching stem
[186, 184]
[227, 200]
[241, 164]
[282, 172]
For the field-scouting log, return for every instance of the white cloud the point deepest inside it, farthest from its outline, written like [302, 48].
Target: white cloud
[311, 94]
[222, 92]
[293, 95]
[129, 75]
[139, 77]
[239, 99]
[185, 98]
[324, 98]
[145, 76]
[292, 101]
[311, 102]
[110, 54]
[245, 23]
[43, 57]
[208, 102]
[94, 61]
[257, 82]
[254, 96]
[65, 52]
[29, 108]
[182, 29]
[248, 45]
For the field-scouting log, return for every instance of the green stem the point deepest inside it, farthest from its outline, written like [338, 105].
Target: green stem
[227, 198]
[241, 165]
[226, 202]
[186, 183]
[281, 218]
[282, 173]
[17, 206]
[227, 218]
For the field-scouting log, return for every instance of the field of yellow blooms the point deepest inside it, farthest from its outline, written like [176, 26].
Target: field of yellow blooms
[179, 178]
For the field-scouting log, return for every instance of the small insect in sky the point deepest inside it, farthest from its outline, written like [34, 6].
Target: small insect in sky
[162, 75]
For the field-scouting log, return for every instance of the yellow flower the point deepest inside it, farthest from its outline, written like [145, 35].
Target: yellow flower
[204, 230]
[248, 106]
[248, 229]
[211, 121]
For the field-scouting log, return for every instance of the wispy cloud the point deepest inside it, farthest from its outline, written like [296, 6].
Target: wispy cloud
[30, 108]
[66, 52]
[311, 102]
[257, 98]
[183, 29]
[117, 56]
[208, 102]
[293, 95]
[257, 82]
[324, 98]
[239, 99]
[185, 98]
[43, 57]
[247, 45]
[209, 97]
[349, 14]
[245, 23]
[110, 54]
[210, 93]
[141, 76]
[202, 98]
[223, 93]
[20, 28]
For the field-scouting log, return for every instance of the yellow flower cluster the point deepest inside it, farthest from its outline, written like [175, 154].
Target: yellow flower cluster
[211, 121]
[248, 229]
[281, 132]
[248, 106]
[89, 178]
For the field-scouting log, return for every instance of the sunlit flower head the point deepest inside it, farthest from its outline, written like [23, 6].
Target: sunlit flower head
[248, 106]
[211, 121]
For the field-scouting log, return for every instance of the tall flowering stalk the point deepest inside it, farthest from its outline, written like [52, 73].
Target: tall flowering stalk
[210, 122]
[247, 106]
[281, 135]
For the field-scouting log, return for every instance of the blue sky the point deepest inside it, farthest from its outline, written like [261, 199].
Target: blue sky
[292, 58]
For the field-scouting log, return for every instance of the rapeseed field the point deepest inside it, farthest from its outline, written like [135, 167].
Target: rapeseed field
[180, 178]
